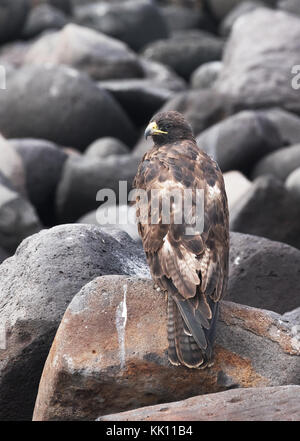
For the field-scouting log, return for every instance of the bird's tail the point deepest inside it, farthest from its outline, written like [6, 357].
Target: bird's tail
[190, 344]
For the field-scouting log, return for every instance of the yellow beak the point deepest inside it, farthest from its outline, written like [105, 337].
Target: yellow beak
[152, 129]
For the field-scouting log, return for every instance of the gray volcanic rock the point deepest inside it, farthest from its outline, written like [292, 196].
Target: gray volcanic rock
[84, 177]
[100, 56]
[239, 141]
[293, 183]
[11, 166]
[206, 75]
[258, 69]
[280, 164]
[12, 18]
[260, 271]
[269, 210]
[18, 218]
[104, 147]
[185, 51]
[43, 161]
[287, 123]
[291, 6]
[137, 23]
[243, 7]
[60, 104]
[42, 18]
[36, 286]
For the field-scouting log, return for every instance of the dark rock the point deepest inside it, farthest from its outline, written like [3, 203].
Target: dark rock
[100, 56]
[41, 18]
[36, 286]
[260, 271]
[291, 6]
[63, 5]
[121, 354]
[279, 164]
[258, 70]
[139, 98]
[3, 255]
[254, 404]
[185, 51]
[202, 108]
[83, 178]
[293, 183]
[287, 123]
[238, 142]
[43, 163]
[268, 209]
[181, 18]
[104, 147]
[11, 166]
[220, 8]
[206, 75]
[61, 105]
[12, 18]
[117, 218]
[241, 9]
[18, 219]
[162, 75]
[137, 23]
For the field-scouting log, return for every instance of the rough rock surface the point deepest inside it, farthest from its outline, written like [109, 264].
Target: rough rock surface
[258, 64]
[100, 56]
[269, 210]
[61, 105]
[111, 351]
[36, 286]
[280, 403]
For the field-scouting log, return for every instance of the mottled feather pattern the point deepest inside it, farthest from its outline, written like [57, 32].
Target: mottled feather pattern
[192, 269]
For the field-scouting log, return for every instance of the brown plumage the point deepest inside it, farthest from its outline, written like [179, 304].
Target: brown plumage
[192, 269]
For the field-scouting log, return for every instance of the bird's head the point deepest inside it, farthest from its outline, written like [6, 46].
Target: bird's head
[168, 127]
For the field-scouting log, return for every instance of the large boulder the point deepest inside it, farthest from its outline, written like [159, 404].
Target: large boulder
[260, 271]
[243, 7]
[36, 286]
[100, 56]
[104, 147]
[180, 18]
[268, 209]
[185, 51]
[60, 104]
[258, 69]
[279, 403]
[202, 108]
[137, 23]
[120, 360]
[205, 76]
[12, 18]
[279, 164]
[43, 161]
[291, 6]
[238, 142]
[82, 179]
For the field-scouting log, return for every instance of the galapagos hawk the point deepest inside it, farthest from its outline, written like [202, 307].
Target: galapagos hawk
[192, 269]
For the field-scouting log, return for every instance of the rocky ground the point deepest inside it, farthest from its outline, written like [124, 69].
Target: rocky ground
[79, 80]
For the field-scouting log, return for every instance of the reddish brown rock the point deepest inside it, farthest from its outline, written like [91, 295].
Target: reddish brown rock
[110, 353]
[255, 404]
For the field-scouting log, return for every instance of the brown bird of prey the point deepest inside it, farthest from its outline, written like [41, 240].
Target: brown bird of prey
[190, 265]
